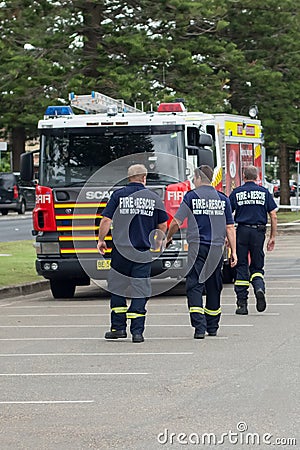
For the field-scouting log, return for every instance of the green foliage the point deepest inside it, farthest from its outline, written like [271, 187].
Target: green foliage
[35, 61]
[220, 55]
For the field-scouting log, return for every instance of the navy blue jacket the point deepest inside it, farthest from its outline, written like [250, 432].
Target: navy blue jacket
[136, 212]
[251, 204]
[208, 212]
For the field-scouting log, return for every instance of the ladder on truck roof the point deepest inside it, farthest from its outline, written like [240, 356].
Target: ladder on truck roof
[99, 103]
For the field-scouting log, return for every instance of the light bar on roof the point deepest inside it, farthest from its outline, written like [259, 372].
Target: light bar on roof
[171, 107]
[55, 111]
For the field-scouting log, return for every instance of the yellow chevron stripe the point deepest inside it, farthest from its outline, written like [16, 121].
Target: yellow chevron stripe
[82, 238]
[79, 205]
[79, 216]
[218, 178]
[257, 151]
[81, 250]
[83, 228]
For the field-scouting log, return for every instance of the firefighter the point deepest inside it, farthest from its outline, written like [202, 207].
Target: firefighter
[251, 205]
[209, 221]
[139, 222]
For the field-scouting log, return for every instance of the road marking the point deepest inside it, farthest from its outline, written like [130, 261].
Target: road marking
[211, 338]
[254, 314]
[278, 280]
[69, 305]
[105, 315]
[222, 304]
[151, 303]
[4, 355]
[99, 338]
[105, 326]
[70, 374]
[46, 402]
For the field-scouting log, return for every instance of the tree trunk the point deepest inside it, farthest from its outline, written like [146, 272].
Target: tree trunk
[91, 30]
[284, 175]
[18, 138]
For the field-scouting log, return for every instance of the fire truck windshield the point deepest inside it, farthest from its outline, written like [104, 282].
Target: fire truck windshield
[72, 157]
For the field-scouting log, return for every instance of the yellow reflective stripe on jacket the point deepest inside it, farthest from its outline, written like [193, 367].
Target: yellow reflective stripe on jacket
[196, 309]
[134, 315]
[241, 283]
[212, 312]
[119, 309]
[256, 274]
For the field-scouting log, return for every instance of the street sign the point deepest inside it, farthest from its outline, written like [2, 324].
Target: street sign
[297, 156]
[3, 146]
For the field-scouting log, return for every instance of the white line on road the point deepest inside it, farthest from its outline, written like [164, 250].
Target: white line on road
[223, 304]
[256, 314]
[46, 402]
[104, 326]
[71, 374]
[105, 315]
[100, 338]
[212, 338]
[161, 303]
[4, 355]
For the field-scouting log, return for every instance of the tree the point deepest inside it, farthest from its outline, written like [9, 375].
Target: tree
[35, 65]
[268, 33]
[157, 50]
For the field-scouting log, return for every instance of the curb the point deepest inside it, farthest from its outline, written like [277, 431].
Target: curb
[24, 289]
[288, 228]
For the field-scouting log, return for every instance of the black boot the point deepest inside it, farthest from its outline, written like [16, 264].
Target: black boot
[242, 310]
[137, 338]
[115, 334]
[260, 300]
[199, 335]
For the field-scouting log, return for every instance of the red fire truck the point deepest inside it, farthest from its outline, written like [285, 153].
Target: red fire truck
[84, 157]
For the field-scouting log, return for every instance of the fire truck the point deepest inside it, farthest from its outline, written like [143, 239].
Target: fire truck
[84, 157]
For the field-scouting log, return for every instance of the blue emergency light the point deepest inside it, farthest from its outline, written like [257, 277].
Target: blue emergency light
[55, 111]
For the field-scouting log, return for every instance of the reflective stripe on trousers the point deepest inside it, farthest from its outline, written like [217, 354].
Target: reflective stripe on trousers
[204, 276]
[250, 242]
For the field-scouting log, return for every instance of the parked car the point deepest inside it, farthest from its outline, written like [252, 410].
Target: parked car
[293, 189]
[15, 194]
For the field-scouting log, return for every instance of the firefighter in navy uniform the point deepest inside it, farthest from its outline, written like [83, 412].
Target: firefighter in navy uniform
[139, 222]
[251, 205]
[209, 221]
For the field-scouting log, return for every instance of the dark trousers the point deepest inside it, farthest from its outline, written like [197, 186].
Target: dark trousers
[132, 279]
[205, 265]
[251, 259]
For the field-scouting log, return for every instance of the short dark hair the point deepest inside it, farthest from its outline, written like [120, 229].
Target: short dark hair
[250, 173]
[204, 172]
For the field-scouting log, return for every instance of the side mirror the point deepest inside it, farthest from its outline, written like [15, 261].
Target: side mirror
[205, 140]
[26, 167]
[205, 157]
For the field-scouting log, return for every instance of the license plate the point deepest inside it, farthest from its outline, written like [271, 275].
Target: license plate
[103, 264]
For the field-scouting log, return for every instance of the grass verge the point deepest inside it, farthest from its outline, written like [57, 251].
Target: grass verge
[19, 266]
[287, 216]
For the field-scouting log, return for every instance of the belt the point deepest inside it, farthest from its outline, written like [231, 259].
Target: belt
[260, 226]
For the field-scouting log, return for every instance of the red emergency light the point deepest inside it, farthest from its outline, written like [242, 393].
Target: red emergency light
[171, 107]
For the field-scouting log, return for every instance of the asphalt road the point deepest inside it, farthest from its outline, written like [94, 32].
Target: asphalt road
[62, 386]
[16, 227]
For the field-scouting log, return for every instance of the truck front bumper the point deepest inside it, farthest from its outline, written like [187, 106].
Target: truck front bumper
[72, 269]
